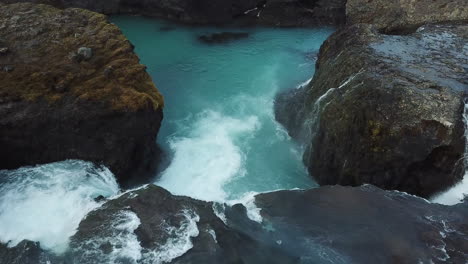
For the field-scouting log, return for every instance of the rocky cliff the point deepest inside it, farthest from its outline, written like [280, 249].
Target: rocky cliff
[72, 88]
[325, 225]
[395, 16]
[268, 12]
[384, 109]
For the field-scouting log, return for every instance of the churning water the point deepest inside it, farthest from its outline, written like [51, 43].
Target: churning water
[219, 129]
[46, 203]
[219, 124]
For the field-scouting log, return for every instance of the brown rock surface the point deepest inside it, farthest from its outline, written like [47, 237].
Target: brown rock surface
[72, 88]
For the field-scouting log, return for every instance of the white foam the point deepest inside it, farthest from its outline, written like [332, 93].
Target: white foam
[248, 200]
[121, 241]
[179, 242]
[301, 85]
[46, 203]
[125, 244]
[208, 157]
[457, 193]
[454, 195]
[219, 210]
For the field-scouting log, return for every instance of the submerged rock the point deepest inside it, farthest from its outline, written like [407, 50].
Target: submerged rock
[54, 108]
[269, 12]
[405, 15]
[223, 37]
[384, 109]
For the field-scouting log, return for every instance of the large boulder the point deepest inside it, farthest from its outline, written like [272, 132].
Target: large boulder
[405, 15]
[269, 12]
[72, 88]
[384, 109]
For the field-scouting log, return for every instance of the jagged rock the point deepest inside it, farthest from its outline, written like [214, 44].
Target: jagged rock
[269, 12]
[54, 109]
[405, 15]
[384, 109]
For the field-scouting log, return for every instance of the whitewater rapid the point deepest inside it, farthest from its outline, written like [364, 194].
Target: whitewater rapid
[46, 203]
[208, 156]
[219, 127]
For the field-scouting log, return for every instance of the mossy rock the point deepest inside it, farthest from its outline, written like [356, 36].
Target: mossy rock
[56, 104]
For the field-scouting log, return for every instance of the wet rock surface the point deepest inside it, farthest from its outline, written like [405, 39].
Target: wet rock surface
[384, 109]
[402, 16]
[365, 225]
[324, 225]
[168, 228]
[246, 12]
[56, 100]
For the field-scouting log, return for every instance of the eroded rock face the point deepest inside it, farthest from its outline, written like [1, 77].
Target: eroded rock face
[53, 106]
[405, 15]
[325, 225]
[384, 109]
[269, 12]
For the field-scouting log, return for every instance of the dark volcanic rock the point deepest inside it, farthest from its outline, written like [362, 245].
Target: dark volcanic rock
[404, 15]
[384, 109]
[223, 37]
[55, 107]
[166, 227]
[26, 252]
[269, 12]
[325, 225]
[365, 225]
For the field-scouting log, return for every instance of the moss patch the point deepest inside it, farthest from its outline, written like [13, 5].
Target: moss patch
[43, 41]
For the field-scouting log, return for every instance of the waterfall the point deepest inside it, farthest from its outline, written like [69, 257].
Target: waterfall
[458, 192]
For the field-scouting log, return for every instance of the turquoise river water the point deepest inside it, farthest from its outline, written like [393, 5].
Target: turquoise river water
[219, 129]
[219, 124]
[219, 132]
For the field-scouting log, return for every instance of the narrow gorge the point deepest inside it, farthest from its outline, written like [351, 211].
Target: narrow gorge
[277, 131]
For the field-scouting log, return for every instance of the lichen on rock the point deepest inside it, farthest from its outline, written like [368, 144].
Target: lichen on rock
[55, 106]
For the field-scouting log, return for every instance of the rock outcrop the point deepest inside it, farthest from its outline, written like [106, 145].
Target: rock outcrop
[324, 225]
[166, 229]
[365, 225]
[268, 12]
[395, 16]
[384, 109]
[72, 88]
